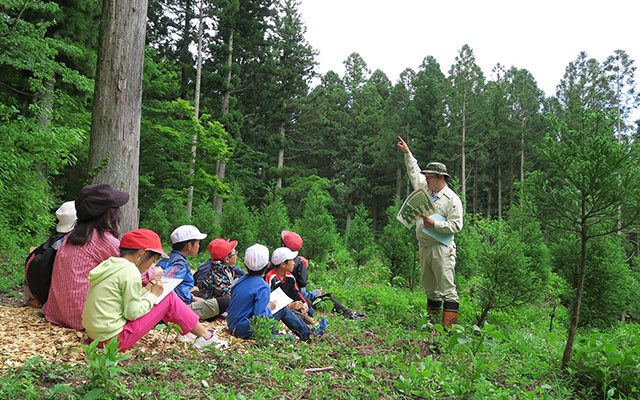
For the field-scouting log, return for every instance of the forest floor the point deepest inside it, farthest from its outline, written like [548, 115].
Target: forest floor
[25, 333]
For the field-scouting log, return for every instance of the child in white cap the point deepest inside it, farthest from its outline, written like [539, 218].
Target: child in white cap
[39, 264]
[185, 240]
[250, 298]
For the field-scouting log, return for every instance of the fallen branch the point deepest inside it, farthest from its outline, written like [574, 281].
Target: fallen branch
[318, 369]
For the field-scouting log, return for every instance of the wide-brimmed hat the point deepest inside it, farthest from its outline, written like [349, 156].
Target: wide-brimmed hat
[95, 200]
[220, 248]
[256, 257]
[435, 168]
[66, 215]
[282, 254]
[186, 232]
[143, 239]
[292, 240]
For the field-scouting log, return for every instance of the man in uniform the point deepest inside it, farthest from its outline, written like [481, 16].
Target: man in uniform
[438, 261]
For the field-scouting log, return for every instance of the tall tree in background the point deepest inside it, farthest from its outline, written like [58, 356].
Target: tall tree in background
[352, 140]
[583, 86]
[497, 143]
[620, 70]
[525, 103]
[294, 62]
[464, 85]
[114, 149]
[239, 51]
[196, 111]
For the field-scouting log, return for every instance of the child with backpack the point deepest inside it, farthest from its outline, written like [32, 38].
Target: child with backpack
[39, 264]
[117, 304]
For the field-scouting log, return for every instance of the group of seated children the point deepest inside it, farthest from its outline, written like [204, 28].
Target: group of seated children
[110, 287]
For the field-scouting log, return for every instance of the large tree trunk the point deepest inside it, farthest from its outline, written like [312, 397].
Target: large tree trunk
[221, 166]
[196, 115]
[280, 157]
[114, 147]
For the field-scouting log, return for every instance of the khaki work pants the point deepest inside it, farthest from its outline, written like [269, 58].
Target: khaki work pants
[438, 272]
[205, 309]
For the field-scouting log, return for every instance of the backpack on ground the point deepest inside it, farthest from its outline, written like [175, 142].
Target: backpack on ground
[39, 266]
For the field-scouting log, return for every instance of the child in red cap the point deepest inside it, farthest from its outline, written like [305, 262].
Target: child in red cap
[117, 304]
[222, 272]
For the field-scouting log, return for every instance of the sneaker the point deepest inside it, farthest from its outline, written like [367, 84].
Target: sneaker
[353, 315]
[319, 330]
[187, 338]
[201, 343]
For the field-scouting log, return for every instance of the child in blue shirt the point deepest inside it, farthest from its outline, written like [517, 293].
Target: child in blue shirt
[186, 242]
[250, 297]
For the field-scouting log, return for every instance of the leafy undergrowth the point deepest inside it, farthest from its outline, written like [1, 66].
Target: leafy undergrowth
[394, 353]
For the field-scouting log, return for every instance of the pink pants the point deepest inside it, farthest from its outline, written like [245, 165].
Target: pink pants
[171, 309]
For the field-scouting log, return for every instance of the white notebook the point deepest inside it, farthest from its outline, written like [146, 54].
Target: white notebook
[168, 284]
[281, 300]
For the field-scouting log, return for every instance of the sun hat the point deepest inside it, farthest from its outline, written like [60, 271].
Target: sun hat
[292, 240]
[256, 257]
[186, 232]
[220, 248]
[143, 239]
[282, 254]
[95, 200]
[435, 168]
[66, 215]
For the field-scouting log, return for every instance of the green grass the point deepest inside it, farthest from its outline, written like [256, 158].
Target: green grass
[394, 353]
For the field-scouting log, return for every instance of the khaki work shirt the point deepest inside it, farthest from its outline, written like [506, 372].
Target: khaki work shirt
[446, 201]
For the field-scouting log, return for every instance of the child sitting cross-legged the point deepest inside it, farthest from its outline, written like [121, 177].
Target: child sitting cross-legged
[281, 276]
[117, 304]
[250, 298]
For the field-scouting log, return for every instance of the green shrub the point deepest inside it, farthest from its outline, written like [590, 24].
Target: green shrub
[397, 247]
[237, 221]
[271, 220]
[611, 289]
[359, 239]
[507, 276]
[204, 218]
[317, 226]
[468, 247]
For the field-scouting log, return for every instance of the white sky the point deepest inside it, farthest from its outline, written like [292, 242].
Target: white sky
[541, 36]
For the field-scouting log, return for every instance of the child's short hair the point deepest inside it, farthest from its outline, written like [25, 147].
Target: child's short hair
[181, 245]
[127, 252]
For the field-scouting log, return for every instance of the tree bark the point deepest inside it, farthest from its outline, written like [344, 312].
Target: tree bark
[280, 157]
[463, 178]
[185, 55]
[226, 95]
[499, 191]
[475, 182]
[522, 152]
[575, 310]
[115, 125]
[196, 115]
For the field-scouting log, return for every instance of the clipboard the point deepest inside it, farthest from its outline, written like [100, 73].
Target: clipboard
[444, 238]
